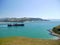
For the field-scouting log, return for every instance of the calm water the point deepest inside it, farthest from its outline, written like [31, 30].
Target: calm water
[31, 29]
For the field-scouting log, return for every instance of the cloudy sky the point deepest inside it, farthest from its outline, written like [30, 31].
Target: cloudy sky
[47, 9]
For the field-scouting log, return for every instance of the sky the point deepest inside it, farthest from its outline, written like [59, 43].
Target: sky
[46, 9]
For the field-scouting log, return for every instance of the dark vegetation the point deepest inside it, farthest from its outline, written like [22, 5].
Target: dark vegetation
[57, 29]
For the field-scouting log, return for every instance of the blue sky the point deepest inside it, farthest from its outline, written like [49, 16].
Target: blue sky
[47, 9]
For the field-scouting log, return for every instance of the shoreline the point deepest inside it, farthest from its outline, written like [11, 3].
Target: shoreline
[53, 38]
[54, 34]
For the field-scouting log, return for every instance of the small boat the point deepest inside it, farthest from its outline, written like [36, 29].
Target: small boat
[15, 24]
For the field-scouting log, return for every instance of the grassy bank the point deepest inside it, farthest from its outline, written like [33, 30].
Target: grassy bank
[27, 41]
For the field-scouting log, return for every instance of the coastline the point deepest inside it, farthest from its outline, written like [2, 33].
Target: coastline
[27, 41]
[54, 34]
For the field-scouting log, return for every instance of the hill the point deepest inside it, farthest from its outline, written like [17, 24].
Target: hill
[20, 19]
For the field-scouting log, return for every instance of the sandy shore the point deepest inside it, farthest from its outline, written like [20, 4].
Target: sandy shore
[27, 41]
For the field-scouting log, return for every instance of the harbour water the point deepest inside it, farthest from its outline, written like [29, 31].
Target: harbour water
[38, 29]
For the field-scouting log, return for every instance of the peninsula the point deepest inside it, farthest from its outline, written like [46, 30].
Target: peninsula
[56, 31]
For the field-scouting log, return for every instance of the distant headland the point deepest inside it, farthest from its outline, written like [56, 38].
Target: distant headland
[21, 19]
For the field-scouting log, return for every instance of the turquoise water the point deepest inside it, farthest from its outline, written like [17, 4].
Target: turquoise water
[31, 29]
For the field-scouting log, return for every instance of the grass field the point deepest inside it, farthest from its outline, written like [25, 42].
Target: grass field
[27, 41]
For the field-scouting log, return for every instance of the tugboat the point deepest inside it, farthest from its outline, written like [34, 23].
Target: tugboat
[15, 24]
